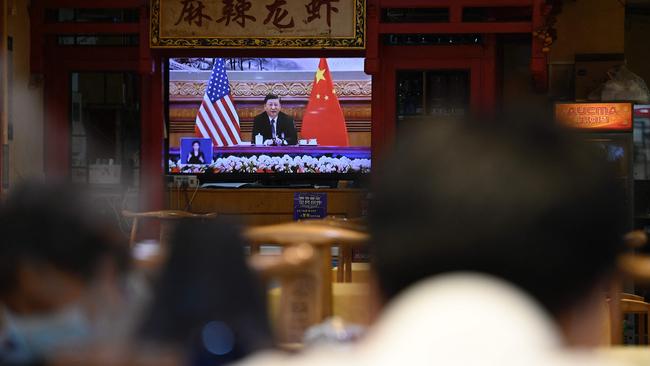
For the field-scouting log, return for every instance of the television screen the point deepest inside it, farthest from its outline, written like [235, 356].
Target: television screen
[261, 116]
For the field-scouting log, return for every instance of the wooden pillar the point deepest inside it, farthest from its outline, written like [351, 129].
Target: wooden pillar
[152, 122]
[324, 255]
[489, 71]
[455, 13]
[4, 91]
[538, 61]
[56, 133]
[37, 42]
[373, 68]
[151, 152]
[616, 324]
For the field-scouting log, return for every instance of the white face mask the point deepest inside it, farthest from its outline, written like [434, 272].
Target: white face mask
[35, 336]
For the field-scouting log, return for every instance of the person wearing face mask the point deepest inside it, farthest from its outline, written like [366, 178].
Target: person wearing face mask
[275, 127]
[60, 271]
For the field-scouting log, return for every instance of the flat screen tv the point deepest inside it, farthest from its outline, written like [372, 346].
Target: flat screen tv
[252, 119]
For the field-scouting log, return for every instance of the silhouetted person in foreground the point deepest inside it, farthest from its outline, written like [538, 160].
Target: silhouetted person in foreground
[61, 272]
[208, 303]
[492, 243]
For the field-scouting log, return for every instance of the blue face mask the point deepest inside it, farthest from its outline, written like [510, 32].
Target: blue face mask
[32, 337]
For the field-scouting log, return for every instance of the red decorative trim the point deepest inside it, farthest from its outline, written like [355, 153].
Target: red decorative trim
[372, 39]
[544, 34]
[93, 4]
[453, 3]
[90, 28]
[37, 41]
[486, 28]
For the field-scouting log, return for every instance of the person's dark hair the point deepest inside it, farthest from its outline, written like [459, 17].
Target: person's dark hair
[520, 201]
[196, 142]
[53, 224]
[269, 97]
[206, 283]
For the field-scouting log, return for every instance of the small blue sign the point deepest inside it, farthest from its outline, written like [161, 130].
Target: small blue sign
[309, 205]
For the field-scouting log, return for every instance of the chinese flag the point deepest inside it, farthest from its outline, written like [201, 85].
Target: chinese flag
[323, 118]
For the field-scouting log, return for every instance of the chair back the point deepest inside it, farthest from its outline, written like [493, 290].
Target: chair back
[345, 254]
[631, 266]
[167, 219]
[296, 271]
[321, 238]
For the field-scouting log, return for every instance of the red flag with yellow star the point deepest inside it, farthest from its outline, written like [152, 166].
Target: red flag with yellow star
[323, 118]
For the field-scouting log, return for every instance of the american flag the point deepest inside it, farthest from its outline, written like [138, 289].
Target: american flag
[217, 118]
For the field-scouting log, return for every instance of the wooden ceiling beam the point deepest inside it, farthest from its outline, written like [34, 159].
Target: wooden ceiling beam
[453, 3]
[91, 28]
[456, 28]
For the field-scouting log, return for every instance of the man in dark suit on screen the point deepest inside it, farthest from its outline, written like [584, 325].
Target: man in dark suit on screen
[275, 127]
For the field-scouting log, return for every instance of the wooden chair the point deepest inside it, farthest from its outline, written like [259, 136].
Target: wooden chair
[358, 224]
[634, 305]
[642, 310]
[627, 296]
[634, 267]
[167, 220]
[296, 270]
[322, 238]
[344, 268]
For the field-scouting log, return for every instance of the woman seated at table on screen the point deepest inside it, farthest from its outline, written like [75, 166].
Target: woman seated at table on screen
[196, 155]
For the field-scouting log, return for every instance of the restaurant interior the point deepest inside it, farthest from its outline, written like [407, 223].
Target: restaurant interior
[207, 182]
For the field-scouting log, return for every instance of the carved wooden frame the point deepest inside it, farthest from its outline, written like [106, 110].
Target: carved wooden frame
[358, 41]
